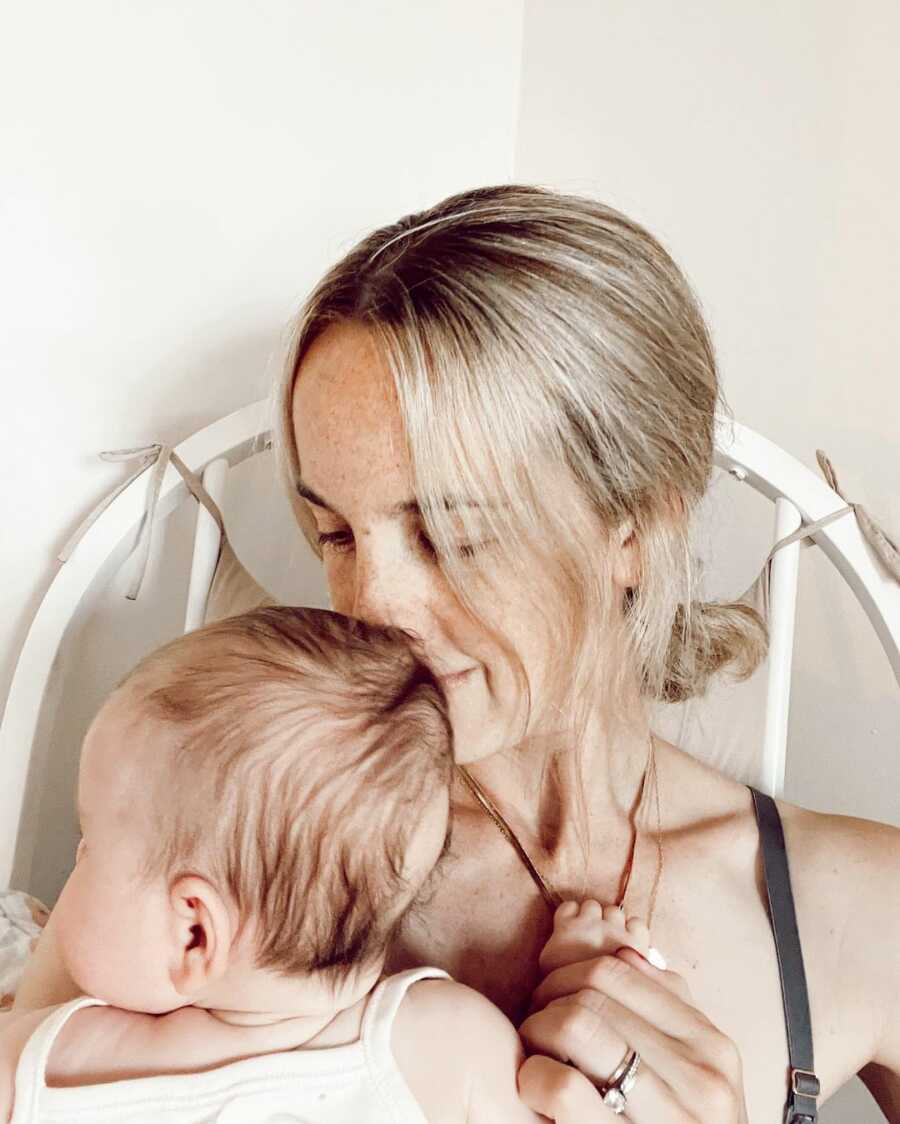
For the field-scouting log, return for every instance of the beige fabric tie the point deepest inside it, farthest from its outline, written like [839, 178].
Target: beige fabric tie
[757, 594]
[158, 457]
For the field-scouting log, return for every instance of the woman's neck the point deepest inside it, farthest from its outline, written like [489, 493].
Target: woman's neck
[550, 791]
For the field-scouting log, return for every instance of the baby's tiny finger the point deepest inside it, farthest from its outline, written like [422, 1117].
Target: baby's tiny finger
[637, 929]
[565, 912]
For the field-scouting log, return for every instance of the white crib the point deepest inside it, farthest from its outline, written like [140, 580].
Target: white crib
[799, 497]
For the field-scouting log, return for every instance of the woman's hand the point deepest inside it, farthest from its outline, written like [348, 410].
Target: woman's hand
[590, 1015]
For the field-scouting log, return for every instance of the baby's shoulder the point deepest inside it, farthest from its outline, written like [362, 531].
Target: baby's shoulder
[452, 1005]
[101, 1044]
[16, 1027]
[457, 1050]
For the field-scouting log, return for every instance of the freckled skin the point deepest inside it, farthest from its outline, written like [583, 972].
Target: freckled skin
[484, 920]
[380, 569]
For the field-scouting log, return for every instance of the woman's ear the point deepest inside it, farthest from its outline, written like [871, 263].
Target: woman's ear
[204, 933]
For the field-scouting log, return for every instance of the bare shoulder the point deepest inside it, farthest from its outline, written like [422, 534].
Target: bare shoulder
[703, 805]
[101, 1044]
[454, 1006]
[842, 867]
[847, 870]
[460, 1054]
[94, 1044]
[438, 1025]
[15, 1030]
[850, 842]
[852, 863]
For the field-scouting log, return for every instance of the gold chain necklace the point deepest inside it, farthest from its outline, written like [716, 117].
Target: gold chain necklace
[551, 896]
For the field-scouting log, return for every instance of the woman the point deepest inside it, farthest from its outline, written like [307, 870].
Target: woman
[496, 424]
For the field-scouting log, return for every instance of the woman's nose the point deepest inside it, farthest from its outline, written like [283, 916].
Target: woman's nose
[390, 593]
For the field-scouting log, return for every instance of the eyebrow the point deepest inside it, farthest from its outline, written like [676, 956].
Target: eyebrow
[404, 507]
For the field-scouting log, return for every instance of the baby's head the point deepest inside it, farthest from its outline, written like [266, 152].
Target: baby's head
[260, 802]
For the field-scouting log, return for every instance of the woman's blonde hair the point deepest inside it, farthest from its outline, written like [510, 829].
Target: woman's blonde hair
[535, 337]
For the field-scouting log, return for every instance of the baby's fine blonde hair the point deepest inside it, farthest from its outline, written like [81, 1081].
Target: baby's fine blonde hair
[303, 747]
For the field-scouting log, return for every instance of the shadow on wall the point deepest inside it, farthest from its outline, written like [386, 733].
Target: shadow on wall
[115, 633]
[179, 394]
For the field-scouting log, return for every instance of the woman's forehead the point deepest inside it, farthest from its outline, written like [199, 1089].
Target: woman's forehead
[347, 421]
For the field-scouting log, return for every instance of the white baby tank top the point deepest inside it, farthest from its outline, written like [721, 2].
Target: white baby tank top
[357, 1083]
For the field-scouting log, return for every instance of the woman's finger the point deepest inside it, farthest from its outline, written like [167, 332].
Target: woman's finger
[637, 928]
[561, 1093]
[675, 982]
[661, 997]
[620, 1002]
[593, 1033]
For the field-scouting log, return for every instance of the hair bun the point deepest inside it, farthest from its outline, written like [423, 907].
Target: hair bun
[713, 637]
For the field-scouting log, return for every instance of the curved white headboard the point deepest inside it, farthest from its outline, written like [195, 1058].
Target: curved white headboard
[749, 456]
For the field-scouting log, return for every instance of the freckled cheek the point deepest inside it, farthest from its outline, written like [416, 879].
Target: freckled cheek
[341, 588]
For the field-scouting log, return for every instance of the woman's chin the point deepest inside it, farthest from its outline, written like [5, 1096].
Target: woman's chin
[475, 736]
[480, 729]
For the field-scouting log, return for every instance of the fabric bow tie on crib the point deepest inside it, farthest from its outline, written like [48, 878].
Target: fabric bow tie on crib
[160, 456]
[757, 593]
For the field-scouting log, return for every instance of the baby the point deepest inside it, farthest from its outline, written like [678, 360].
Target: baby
[261, 802]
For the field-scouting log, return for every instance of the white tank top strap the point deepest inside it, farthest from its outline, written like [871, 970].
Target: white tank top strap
[32, 1065]
[384, 1002]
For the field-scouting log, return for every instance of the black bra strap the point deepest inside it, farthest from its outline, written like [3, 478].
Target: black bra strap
[804, 1085]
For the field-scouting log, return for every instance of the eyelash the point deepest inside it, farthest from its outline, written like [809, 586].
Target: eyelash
[337, 540]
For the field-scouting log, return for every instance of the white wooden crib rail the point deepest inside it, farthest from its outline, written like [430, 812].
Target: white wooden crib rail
[799, 497]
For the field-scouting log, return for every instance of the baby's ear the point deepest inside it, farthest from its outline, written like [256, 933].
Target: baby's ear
[203, 933]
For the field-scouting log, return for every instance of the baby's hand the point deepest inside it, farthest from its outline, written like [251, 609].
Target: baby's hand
[581, 932]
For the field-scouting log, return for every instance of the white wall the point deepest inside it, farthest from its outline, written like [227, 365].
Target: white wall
[174, 178]
[757, 140]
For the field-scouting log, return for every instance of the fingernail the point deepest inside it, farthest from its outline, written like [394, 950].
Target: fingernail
[657, 959]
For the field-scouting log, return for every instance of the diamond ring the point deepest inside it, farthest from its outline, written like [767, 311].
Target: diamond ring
[615, 1091]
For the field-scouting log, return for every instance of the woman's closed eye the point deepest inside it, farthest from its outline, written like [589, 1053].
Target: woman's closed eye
[337, 540]
[342, 542]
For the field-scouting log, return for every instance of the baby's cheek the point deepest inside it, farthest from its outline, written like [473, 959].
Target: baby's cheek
[79, 936]
[111, 942]
[136, 975]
